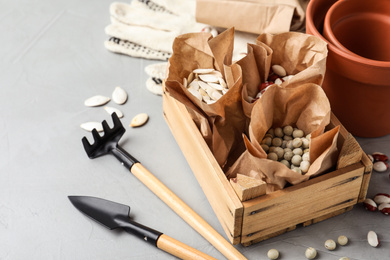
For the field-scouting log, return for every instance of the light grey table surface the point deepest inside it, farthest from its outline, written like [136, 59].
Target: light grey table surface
[51, 59]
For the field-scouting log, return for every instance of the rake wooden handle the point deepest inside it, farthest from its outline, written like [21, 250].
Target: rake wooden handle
[180, 250]
[185, 212]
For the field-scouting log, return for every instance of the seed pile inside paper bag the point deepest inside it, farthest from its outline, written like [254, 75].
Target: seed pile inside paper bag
[289, 146]
[207, 85]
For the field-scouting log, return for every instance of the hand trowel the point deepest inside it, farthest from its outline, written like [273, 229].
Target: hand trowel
[114, 216]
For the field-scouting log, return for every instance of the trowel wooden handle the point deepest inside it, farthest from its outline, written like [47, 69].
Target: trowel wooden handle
[180, 250]
[185, 212]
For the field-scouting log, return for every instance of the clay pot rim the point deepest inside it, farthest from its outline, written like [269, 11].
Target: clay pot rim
[352, 57]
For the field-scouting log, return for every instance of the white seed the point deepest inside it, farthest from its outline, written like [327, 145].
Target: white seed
[344, 258]
[111, 110]
[119, 95]
[267, 141]
[371, 158]
[215, 95]
[372, 239]
[380, 166]
[285, 162]
[273, 254]
[342, 240]
[304, 166]
[204, 85]
[288, 156]
[222, 82]
[89, 126]
[330, 244]
[305, 143]
[296, 160]
[277, 141]
[265, 147]
[185, 82]
[202, 71]
[306, 157]
[139, 120]
[206, 98]
[280, 152]
[297, 169]
[298, 133]
[194, 84]
[195, 93]
[278, 81]
[278, 132]
[217, 74]
[287, 130]
[310, 253]
[215, 86]
[209, 78]
[287, 137]
[95, 101]
[298, 151]
[272, 156]
[297, 142]
[190, 77]
[279, 70]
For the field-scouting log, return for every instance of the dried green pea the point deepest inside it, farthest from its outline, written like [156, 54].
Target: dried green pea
[277, 141]
[272, 156]
[288, 130]
[279, 132]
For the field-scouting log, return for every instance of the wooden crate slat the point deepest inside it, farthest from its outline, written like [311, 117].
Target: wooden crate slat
[299, 203]
[210, 176]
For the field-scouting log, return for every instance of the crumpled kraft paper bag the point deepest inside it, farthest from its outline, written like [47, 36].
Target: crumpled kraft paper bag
[253, 16]
[306, 107]
[221, 123]
[302, 55]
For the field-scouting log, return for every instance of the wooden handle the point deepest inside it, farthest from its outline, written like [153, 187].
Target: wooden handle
[185, 212]
[178, 249]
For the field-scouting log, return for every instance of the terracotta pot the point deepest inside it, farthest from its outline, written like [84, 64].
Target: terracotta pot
[358, 88]
[372, 18]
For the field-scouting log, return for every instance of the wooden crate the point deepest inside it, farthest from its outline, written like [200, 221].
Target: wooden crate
[273, 214]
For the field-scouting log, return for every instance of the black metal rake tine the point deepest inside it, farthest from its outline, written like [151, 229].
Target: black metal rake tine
[107, 142]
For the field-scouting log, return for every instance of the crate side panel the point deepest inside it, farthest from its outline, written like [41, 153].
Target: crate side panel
[300, 203]
[210, 176]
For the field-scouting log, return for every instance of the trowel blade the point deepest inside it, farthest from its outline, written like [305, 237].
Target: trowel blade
[103, 211]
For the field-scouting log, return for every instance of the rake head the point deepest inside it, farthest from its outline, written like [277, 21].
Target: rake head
[106, 143]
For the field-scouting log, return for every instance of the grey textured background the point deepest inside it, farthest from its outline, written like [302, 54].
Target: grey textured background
[51, 59]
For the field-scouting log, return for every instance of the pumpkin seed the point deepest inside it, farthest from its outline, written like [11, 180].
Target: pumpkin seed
[139, 120]
[119, 95]
[96, 101]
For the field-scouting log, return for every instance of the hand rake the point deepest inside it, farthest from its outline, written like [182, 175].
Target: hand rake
[108, 143]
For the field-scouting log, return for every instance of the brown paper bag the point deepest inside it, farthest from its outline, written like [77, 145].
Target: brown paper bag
[222, 122]
[253, 16]
[302, 55]
[306, 107]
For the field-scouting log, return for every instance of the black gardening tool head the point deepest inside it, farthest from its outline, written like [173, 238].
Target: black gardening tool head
[108, 143]
[113, 215]
[104, 144]
[103, 211]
